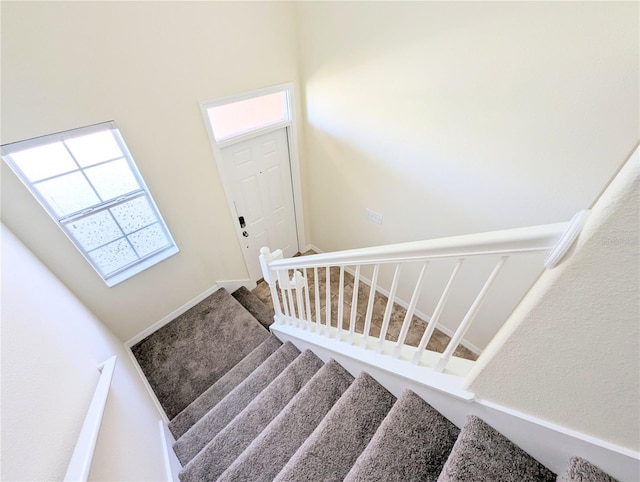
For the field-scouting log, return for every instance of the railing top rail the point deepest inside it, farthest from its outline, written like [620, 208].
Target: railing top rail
[510, 241]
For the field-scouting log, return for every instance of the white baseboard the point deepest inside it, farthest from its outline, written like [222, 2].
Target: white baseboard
[145, 382]
[172, 465]
[313, 247]
[419, 314]
[229, 285]
[232, 285]
[171, 316]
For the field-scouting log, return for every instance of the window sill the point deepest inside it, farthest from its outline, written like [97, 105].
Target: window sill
[138, 268]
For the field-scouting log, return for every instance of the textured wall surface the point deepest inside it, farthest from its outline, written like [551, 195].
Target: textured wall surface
[145, 65]
[461, 117]
[570, 353]
[51, 348]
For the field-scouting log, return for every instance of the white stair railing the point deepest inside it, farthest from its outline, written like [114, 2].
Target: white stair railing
[293, 304]
[80, 463]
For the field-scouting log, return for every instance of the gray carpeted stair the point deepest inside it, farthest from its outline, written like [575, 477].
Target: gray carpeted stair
[214, 459]
[178, 359]
[216, 392]
[254, 305]
[579, 470]
[271, 450]
[483, 453]
[195, 439]
[412, 444]
[272, 413]
[333, 447]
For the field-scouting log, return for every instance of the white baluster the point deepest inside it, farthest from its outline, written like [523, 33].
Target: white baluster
[317, 299]
[466, 322]
[436, 315]
[307, 302]
[389, 309]
[372, 294]
[340, 303]
[327, 305]
[354, 304]
[270, 277]
[410, 311]
[292, 308]
[298, 283]
[283, 281]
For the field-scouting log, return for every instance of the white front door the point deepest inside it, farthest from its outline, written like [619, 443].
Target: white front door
[262, 193]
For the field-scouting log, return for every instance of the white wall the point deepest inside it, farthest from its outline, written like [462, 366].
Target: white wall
[570, 353]
[51, 347]
[460, 117]
[146, 65]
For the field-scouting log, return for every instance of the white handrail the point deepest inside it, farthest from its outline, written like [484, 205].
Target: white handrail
[552, 238]
[80, 464]
[508, 241]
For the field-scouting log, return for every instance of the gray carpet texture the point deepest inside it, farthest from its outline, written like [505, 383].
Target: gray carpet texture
[220, 389]
[412, 444]
[579, 470]
[483, 454]
[255, 306]
[333, 447]
[186, 356]
[216, 457]
[200, 434]
[263, 459]
[246, 407]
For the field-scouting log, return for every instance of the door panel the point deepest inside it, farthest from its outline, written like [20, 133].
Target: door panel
[262, 193]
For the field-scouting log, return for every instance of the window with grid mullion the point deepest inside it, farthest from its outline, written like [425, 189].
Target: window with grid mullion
[87, 181]
[127, 231]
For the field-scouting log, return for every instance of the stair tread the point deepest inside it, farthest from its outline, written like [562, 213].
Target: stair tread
[580, 470]
[255, 306]
[411, 444]
[335, 444]
[269, 452]
[225, 447]
[194, 440]
[482, 453]
[216, 392]
[187, 355]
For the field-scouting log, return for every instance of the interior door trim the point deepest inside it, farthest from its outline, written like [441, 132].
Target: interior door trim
[294, 160]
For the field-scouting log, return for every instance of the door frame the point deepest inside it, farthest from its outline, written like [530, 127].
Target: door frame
[294, 160]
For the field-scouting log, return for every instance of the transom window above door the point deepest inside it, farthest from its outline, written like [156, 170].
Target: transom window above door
[239, 117]
[87, 181]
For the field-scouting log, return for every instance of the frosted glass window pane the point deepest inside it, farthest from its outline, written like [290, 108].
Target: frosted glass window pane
[94, 230]
[232, 119]
[44, 161]
[87, 181]
[113, 256]
[148, 240]
[134, 214]
[68, 194]
[93, 148]
[112, 179]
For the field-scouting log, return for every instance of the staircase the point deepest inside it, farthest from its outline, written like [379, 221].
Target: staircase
[283, 414]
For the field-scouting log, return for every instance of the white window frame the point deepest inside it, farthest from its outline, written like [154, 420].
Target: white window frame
[131, 269]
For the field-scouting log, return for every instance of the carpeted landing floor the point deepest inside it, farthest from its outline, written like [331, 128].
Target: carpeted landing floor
[246, 407]
[186, 356]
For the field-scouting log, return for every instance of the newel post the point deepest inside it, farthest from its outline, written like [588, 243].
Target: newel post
[270, 277]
